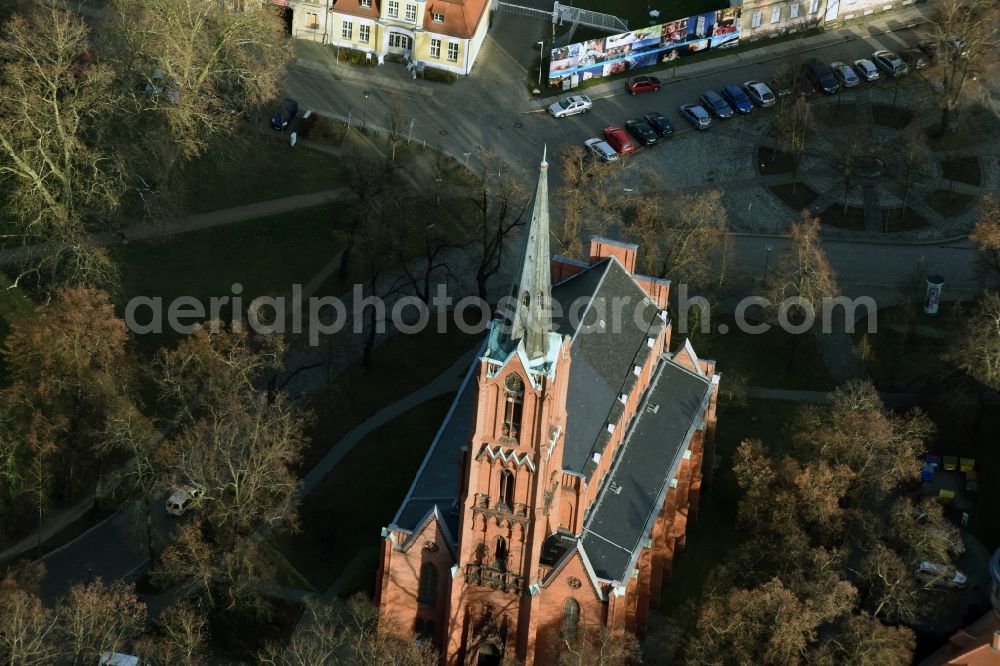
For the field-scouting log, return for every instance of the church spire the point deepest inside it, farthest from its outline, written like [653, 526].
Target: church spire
[532, 314]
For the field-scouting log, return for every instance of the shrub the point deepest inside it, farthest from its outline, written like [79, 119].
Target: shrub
[355, 57]
[439, 75]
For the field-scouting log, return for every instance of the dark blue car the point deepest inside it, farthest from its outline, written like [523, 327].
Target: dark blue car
[737, 98]
[283, 118]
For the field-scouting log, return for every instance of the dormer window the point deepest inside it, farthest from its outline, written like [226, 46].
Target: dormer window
[366, 3]
[437, 18]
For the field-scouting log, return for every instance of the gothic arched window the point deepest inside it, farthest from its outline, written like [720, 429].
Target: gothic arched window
[500, 554]
[428, 584]
[507, 488]
[571, 618]
[514, 394]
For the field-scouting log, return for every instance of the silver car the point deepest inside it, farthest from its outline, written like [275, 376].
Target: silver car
[890, 63]
[571, 106]
[845, 74]
[601, 149]
[866, 69]
[759, 93]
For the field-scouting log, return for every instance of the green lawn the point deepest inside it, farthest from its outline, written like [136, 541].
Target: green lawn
[401, 365]
[898, 364]
[260, 167]
[714, 535]
[265, 256]
[342, 517]
[762, 360]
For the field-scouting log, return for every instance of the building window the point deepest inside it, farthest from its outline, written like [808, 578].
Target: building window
[513, 386]
[393, 9]
[453, 51]
[814, 6]
[411, 12]
[500, 555]
[793, 11]
[437, 18]
[366, 3]
[507, 488]
[755, 19]
[428, 584]
[312, 21]
[346, 29]
[775, 13]
[570, 619]
[435, 48]
[364, 33]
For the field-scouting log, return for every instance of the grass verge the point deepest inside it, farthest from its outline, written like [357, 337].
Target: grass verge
[948, 204]
[763, 359]
[341, 518]
[962, 169]
[797, 196]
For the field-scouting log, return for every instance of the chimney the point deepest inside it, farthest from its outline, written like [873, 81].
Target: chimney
[995, 643]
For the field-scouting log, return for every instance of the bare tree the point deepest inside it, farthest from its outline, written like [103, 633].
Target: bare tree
[909, 161]
[849, 145]
[588, 199]
[601, 647]
[964, 35]
[500, 203]
[60, 171]
[95, 618]
[679, 234]
[367, 181]
[977, 349]
[191, 69]
[793, 131]
[350, 632]
[802, 277]
[27, 628]
[987, 232]
[181, 638]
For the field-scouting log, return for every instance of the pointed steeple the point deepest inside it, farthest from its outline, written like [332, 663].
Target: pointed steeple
[531, 320]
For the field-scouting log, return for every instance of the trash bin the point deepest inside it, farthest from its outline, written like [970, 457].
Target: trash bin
[933, 296]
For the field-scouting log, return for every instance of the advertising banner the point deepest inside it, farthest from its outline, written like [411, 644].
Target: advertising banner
[646, 46]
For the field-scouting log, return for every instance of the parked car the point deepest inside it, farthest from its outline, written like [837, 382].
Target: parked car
[736, 98]
[760, 93]
[641, 130]
[601, 149]
[821, 76]
[845, 74]
[619, 140]
[696, 115]
[660, 123]
[118, 659]
[941, 575]
[915, 58]
[641, 84]
[782, 85]
[866, 69]
[571, 106]
[712, 101]
[184, 499]
[804, 87]
[890, 63]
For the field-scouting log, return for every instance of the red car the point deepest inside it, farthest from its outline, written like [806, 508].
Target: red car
[639, 84]
[619, 140]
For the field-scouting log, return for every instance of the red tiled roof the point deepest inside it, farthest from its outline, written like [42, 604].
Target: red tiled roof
[970, 646]
[460, 17]
[354, 8]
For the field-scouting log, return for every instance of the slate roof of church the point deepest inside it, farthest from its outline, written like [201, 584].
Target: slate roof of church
[636, 485]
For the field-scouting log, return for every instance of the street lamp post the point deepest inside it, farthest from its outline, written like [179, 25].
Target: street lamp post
[541, 58]
[767, 256]
[364, 115]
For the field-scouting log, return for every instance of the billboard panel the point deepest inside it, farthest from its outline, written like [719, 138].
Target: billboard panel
[646, 46]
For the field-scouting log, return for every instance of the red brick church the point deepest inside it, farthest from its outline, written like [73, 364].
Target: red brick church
[558, 489]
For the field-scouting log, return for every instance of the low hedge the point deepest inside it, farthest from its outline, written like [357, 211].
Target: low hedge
[439, 75]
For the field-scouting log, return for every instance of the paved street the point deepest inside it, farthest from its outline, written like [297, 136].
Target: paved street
[493, 110]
